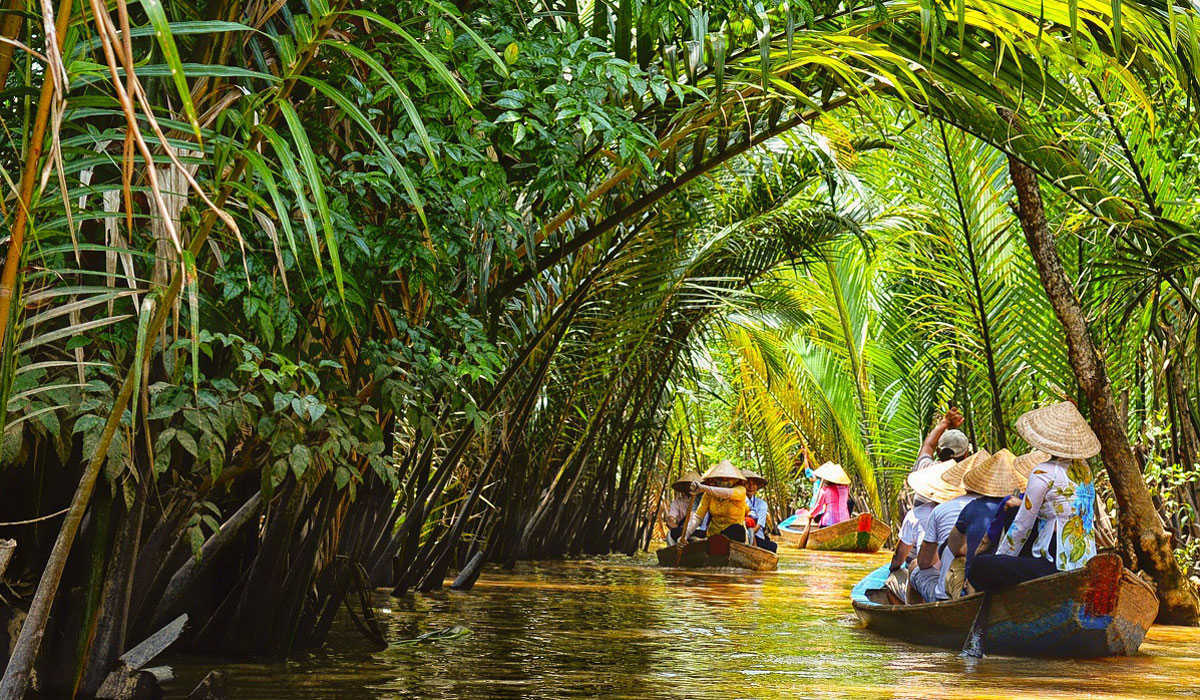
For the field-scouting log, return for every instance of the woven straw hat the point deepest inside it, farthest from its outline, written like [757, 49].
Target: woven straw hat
[833, 473]
[993, 476]
[1025, 463]
[955, 440]
[952, 477]
[928, 482]
[685, 480]
[723, 469]
[755, 476]
[1060, 430]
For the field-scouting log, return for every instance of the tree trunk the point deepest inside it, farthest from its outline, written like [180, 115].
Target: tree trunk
[1147, 544]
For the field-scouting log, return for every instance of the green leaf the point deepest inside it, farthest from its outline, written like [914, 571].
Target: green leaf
[411, 109]
[354, 113]
[188, 442]
[288, 161]
[299, 459]
[281, 211]
[439, 69]
[316, 183]
[342, 477]
[166, 42]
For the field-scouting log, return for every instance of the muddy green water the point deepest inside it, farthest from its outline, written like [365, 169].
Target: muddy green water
[622, 627]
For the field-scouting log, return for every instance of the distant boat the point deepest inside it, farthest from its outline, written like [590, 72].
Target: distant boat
[861, 533]
[1102, 609]
[716, 551]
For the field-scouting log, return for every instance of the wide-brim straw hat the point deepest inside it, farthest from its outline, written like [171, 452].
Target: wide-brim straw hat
[755, 477]
[686, 479]
[1060, 430]
[833, 473]
[723, 470]
[993, 476]
[1024, 464]
[928, 482]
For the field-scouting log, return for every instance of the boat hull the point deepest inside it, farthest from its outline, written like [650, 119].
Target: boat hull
[719, 551]
[862, 533]
[1099, 610]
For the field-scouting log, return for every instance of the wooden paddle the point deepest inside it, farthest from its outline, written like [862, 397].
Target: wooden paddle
[973, 645]
[807, 530]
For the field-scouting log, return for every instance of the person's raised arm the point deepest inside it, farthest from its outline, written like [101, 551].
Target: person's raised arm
[1013, 541]
[952, 419]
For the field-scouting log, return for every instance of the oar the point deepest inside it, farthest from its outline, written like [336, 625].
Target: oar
[973, 646]
[807, 530]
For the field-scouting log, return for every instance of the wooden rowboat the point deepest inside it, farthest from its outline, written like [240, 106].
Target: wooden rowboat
[862, 533]
[719, 550]
[1102, 609]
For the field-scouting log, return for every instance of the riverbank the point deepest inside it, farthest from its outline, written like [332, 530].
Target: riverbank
[617, 626]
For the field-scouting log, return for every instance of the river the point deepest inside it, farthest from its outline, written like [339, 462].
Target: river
[622, 627]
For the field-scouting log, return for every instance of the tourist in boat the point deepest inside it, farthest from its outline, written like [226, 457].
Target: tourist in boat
[723, 502]
[1059, 495]
[681, 507]
[832, 503]
[944, 442]
[1022, 465]
[930, 490]
[995, 480]
[929, 578]
[756, 519]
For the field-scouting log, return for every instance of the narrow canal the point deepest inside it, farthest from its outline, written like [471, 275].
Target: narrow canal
[621, 627]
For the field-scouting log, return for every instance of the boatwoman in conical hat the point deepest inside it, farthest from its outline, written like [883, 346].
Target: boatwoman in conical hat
[723, 501]
[681, 507]
[832, 504]
[1059, 499]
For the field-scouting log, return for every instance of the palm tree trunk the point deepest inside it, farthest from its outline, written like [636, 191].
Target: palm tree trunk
[1146, 543]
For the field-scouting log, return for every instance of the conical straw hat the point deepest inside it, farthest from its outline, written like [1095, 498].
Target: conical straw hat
[723, 469]
[833, 473]
[686, 479]
[754, 476]
[1025, 463]
[928, 482]
[993, 476]
[952, 477]
[1060, 430]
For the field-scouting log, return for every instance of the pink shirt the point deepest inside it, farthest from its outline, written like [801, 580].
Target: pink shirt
[833, 500]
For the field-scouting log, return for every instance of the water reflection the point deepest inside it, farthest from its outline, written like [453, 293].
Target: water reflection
[621, 627]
